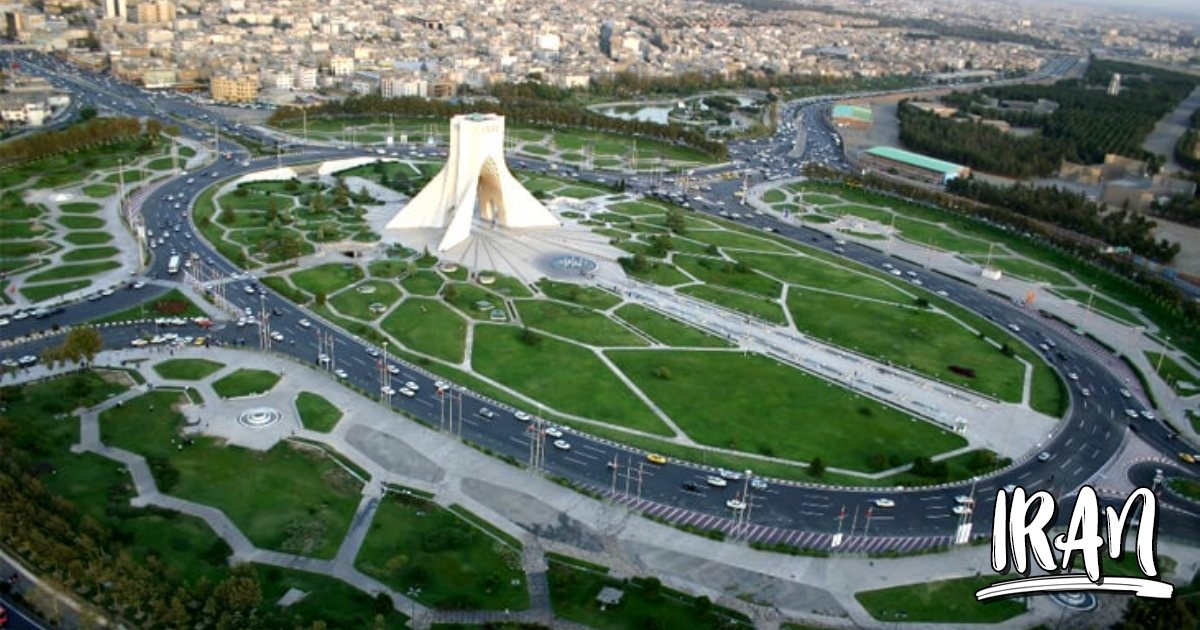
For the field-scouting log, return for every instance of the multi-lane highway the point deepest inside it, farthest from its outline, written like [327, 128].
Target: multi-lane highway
[797, 514]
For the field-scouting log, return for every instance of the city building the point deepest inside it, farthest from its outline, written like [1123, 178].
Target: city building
[305, 78]
[340, 66]
[475, 175]
[1114, 84]
[234, 89]
[116, 10]
[394, 86]
[909, 165]
[853, 116]
[153, 12]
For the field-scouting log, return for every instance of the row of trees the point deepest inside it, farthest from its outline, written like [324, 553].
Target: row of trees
[1187, 150]
[87, 135]
[1072, 211]
[1087, 125]
[532, 112]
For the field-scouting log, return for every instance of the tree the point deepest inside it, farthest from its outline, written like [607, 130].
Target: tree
[81, 344]
[816, 467]
[663, 372]
[87, 113]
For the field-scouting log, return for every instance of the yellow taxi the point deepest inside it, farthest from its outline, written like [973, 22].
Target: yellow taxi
[199, 341]
[655, 458]
[1187, 458]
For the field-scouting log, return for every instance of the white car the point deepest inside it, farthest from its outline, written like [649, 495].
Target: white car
[441, 385]
[729, 474]
[373, 353]
[387, 391]
[139, 284]
[411, 385]
[487, 413]
[4, 321]
[393, 370]
[107, 292]
[139, 343]
[276, 335]
[1147, 414]
[961, 509]
[304, 323]
[884, 503]
[1132, 413]
[716, 481]
[522, 416]
[249, 290]
[1015, 328]
[1126, 393]
[1085, 392]
[1073, 376]
[27, 360]
[1044, 456]
[340, 373]
[735, 504]
[758, 484]
[963, 499]
[553, 432]
[562, 445]
[407, 393]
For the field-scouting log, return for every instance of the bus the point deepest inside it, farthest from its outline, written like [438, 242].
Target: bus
[173, 264]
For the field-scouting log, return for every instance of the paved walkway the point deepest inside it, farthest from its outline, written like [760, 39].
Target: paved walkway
[546, 516]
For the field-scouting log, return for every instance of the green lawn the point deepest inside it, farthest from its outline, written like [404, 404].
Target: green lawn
[762, 308]
[562, 375]
[187, 369]
[1186, 487]
[63, 272]
[660, 273]
[667, 330]
[723, 273]
[758, 405]
[573, 594]
[591, 297]
[354, 303]
[737, 240]
[316, 413]
[815, 272]
[88, 238]
[464, 297]
[388, 268]
[415, 544]
[80, 207]
[99, 191]
[334, 602]
[921, 339]
[37, 293]
[945, 601]
[89, 253]
[575, 322]
[1027, 269]
[80, 223]
[774, 195]
[1101, 304]
[245, 382]
[288, 499]
[428, 326]
[421, 283]
[327, 278]
[1173, 374]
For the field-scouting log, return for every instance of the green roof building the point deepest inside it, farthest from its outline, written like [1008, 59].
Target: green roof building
[911, 165]
[852, 116]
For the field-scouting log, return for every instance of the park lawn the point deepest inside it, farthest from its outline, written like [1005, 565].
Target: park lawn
[421, 283]
[661, 273]
[79, 207]
[573, 592]
[1185, 487]
[737, 240]
[352, 302]
[575, 322]
[817, 198]
[923, 340]
[592, 297]
[252, 201]
[280, 285]
[1174, 375]
[756, 404]
[667, 330]
[129, 176]
[187, 369]
[508, 286]
[1102, 304]
[939, 236]
[99, 191]
[63, 272]
[638, 208]
[562, 375]
[388, 268]
[245, 382]
[1026, 269]
[73, 222]
[316, 413]
[762, 308]
[814, 272]
[774, 195]
[464, 297]
[287, 499]
[328, 599]
[430, 327]
[945, 601]
[878, 215]
[454, 564]
[88, 238]
[89, 253]
[327, 278]
[580, 192]
[720, 272]
[162, 164]
[39, 292]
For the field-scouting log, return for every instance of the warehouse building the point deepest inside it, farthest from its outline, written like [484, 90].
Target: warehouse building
[909, 165]
[852, 116]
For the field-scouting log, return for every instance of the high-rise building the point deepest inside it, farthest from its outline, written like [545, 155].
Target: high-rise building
[116, 9]
[1114, 84]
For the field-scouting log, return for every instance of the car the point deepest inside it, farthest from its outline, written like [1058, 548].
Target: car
[1187, 458]
[407, 393]
[139, 343]
[553, 432]
[655, 458]
[487, 413]
[963, 499]
[139, 284]
[735, 504]
[413, 386]
[199, 341]
[392, 369]
[1044, 456]
[716, 481]
[441, 385]
[729, 474]
[688, 486]
[27, 360]
[522, 416]
[884, 503]
[249, 311]
[1147, 414]
[374, 354]
[276, 335]
[1073, 376]
[304, 323]
[758, 484]
[943, 294]
[961, 509]
[340, 373]
[387, 391]
[1132, 413]
[1015, 328]
[897, 272]
[1085, 392]
[249, 290]
[1125, 393]
[322, 358]
[562, 445]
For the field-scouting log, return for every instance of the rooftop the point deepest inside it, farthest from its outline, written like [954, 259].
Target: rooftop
[916, 159]
[857, 112]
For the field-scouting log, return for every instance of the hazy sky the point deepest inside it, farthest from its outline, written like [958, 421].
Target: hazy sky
[1177, 7]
